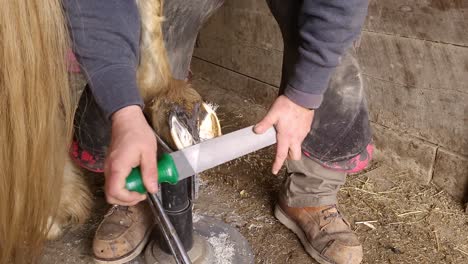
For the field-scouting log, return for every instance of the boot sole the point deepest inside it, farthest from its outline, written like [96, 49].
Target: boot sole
[137, 251]
[291, 225]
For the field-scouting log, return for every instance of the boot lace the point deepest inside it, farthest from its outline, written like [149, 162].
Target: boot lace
[329, 214]
[116, 208]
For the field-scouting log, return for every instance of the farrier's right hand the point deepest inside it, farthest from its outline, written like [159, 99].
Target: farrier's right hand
[133, 144]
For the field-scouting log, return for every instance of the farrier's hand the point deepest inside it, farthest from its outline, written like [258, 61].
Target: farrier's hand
[133, 144]
[292, 123]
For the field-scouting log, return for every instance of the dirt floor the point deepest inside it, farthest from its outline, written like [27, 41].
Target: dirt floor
[397, 220]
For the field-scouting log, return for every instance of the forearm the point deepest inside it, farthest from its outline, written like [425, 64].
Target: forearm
[105, 36]
[326, 29]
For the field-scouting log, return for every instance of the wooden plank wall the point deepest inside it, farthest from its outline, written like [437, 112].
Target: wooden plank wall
[414, 57]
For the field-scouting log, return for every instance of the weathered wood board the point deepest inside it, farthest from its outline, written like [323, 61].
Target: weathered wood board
[437, 116]
[443, 21]
[259, 92]
[245, 22]
[404, 152]
[451, 173]
[258, 63]
[411, 62]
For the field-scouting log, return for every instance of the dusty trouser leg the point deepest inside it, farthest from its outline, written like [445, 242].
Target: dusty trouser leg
[337, 143]
[310, 184]
[340, 130]
[339, 133]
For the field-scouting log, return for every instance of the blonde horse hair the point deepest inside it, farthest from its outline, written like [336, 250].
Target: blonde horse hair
[154, 74]
[35, 123]
[40, 189]
[157, 86]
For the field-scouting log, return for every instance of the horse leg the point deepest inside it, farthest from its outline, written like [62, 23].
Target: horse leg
[176, 36]
[75, 201]
[184, 19]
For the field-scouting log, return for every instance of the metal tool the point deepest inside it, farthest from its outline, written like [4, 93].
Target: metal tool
[200, 157]
[189, 161]
[193, 184]
[163, 221]
[168, 231]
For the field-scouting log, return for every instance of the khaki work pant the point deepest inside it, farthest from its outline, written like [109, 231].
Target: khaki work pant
[310, 184]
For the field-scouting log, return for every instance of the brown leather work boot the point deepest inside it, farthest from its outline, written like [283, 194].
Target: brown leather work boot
[122, 234]
[323, 231]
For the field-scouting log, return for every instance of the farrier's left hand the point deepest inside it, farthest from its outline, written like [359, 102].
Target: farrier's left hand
[292, 123]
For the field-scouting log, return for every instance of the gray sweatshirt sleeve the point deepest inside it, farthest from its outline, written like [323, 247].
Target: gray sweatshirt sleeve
[326, 28]
[105, 36]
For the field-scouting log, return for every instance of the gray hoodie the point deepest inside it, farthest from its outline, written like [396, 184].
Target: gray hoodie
[106, 34]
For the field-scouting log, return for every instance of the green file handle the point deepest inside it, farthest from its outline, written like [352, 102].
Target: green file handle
[167, 172]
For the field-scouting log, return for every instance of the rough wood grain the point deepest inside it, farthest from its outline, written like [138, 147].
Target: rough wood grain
[436, 20]
[258, 63]
[404, 152]
[437, 116]
[451, 173]
[416, 63]
[258, 92]
[246, 22]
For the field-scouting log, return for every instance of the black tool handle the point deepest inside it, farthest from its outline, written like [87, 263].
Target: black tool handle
[168, 231]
